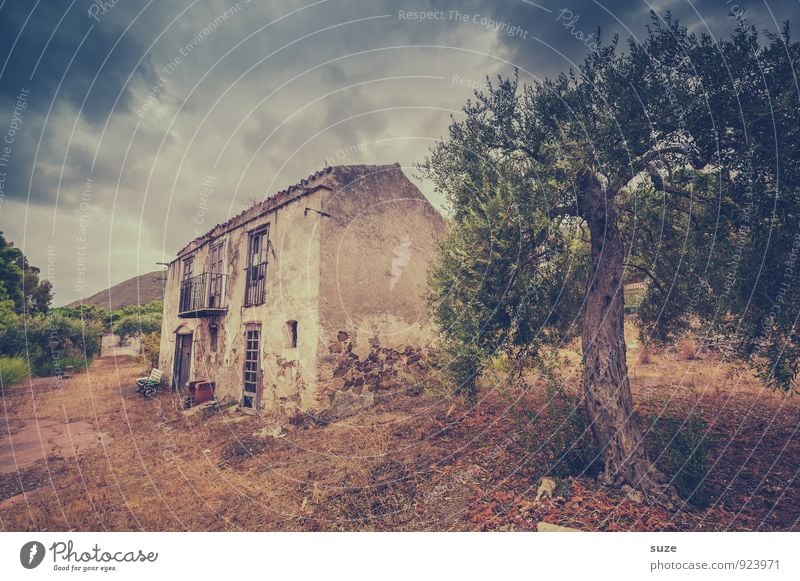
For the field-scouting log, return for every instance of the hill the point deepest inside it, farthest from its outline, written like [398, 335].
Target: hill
[137, 290]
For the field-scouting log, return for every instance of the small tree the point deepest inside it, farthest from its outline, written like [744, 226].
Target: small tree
[677, 159]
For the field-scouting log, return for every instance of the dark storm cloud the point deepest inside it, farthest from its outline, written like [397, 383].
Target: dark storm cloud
[56, 47]
[70, 65]
[562, 31]
[257, 100]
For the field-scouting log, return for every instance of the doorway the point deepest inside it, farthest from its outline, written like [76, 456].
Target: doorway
[183, 361]
[252, 368]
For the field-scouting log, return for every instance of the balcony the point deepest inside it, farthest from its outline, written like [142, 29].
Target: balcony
[203, 296]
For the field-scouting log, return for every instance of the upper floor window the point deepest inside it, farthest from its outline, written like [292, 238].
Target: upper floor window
[216, 279]
[256, 284]
[188, 268]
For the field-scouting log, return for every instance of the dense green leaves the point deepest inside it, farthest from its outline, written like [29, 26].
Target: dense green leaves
[138, 319]
[46, 339]
[696, 144]
[19, 281]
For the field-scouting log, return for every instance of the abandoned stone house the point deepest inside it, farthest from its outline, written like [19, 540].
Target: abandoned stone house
[312, 300]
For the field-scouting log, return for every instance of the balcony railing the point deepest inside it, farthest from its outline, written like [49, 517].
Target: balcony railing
[203, 296]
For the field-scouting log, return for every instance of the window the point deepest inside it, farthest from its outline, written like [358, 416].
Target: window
[256, 284]
[216, 276]
[188, 268]
[291, 334]
[191, 287]
[252, 368]
[213, 331]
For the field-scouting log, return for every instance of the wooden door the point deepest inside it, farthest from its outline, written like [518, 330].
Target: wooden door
[183, 361]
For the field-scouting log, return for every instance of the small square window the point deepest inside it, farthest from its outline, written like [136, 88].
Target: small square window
[291, 334]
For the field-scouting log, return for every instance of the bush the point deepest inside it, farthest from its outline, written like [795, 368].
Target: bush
[151, 346]
[137, 324]
[51, 342]
[680, 449]
[138, 319]
[12, 370]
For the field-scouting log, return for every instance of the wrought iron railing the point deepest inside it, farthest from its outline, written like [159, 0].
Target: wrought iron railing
[202, 292]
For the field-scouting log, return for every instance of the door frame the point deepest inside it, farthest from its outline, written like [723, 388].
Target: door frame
[256, 396]
[177, 367]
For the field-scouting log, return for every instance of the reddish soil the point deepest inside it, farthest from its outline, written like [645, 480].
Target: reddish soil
[412, 463]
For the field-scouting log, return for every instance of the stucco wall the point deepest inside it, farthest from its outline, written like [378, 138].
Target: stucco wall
[376, 249]
[354, 278]
[288, 378]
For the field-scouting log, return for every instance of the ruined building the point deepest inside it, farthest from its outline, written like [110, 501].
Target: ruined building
[312, 300]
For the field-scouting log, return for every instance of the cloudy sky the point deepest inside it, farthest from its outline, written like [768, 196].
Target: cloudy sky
[131, 126]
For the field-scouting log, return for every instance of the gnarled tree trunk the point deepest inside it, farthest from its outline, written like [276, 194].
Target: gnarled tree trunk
[606, 386]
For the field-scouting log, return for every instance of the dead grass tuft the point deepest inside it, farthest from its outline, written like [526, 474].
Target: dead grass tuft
[688, 350]
[645, 356]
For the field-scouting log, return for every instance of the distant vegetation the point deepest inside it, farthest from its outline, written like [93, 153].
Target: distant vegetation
[40, 340]
[139, 290]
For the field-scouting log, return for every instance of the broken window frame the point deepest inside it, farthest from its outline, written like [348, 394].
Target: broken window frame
[216, 280]
[251, 374]
[256, 271]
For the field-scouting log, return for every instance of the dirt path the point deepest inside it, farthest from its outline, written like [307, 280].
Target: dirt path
[90, 454]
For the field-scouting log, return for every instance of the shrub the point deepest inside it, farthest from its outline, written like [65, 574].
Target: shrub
[680, 449]
[12, 370]
[151, 346]
[136, 324]
[51, 342]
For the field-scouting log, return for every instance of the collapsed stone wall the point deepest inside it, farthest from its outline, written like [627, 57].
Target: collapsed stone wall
[355, 383]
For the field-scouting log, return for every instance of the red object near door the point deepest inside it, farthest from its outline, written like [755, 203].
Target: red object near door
[203, 391]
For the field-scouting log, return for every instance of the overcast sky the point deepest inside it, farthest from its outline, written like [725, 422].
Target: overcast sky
[129, 127]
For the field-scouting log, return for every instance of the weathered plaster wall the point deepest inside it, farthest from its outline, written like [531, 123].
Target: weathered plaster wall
[354, 280]
[376, 249]
[288, 379]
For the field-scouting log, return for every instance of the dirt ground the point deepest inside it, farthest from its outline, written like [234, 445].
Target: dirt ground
[90, 454]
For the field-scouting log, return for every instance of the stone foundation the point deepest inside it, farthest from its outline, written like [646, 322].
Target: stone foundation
[384, 373]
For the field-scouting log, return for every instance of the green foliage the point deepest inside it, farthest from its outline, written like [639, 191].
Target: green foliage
[697, 160]
[680, 448]
[12, 370]
[19, 281]
[138, 319]
[84, 313]
[54, 341]
[151, 347]
[50, 342]
[501, 268]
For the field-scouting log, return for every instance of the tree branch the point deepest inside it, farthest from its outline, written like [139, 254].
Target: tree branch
[558, 211]
[647, 273]
[660, 185]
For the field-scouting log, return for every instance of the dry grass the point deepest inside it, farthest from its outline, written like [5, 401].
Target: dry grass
[416, 463]
[645, 356]
[687, 350]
